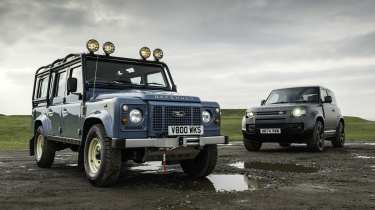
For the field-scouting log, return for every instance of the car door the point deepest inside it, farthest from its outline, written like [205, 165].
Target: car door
[335, 109]
[71, 110]
[57, 100]
[329, 113]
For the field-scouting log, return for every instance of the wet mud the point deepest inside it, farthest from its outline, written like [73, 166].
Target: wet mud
[274, 178]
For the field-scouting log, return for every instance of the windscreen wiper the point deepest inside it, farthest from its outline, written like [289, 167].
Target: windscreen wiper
[281, 102]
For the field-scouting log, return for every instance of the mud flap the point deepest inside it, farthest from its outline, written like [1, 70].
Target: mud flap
[31, 146]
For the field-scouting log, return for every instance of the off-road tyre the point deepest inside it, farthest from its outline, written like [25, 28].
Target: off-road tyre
[252, 145]
[105, 166]
[203, 164]
[339, 139]
[316, 141]
[44, 150]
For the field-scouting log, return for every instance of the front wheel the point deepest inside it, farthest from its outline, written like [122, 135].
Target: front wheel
[203, 164]
[316, 141]
[102, 162]
[339, 140]
[44, 150]
[252, 145]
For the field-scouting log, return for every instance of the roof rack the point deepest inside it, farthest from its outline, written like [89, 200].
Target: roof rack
[59, 61]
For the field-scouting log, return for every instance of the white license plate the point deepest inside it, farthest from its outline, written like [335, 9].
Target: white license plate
[270, 131]
[185, 130]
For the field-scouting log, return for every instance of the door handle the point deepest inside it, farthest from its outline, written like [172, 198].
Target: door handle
[64, 111]
[50, 113]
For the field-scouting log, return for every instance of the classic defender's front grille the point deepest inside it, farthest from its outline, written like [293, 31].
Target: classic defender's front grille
[164, 116]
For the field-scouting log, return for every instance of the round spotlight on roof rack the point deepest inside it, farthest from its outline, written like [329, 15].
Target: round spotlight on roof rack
[108, 48]
[145, 52]
[92, 45]
[158, 54]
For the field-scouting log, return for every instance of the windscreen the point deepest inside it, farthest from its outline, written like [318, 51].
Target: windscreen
[125, 74]
[294, 95]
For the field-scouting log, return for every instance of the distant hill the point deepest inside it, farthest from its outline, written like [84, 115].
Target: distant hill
[2, 115]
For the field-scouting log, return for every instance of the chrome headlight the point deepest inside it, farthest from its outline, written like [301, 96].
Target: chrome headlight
[206, 117]
[158, 54]
[92, 45]
[250, 114]
[298, 112]
[108, 48]
[135, 116]
[145, 52]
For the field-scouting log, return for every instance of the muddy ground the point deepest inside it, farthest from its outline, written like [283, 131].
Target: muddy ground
[274, 178]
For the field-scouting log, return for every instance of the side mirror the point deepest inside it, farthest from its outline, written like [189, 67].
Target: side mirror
[328, 99]
[72, 85]
[263, 102]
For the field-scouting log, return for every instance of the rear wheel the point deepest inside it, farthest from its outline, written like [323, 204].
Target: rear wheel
[339, 140]
[316, 141]
[203, 164]
[252, 145]
[44, 150]
[102, 162]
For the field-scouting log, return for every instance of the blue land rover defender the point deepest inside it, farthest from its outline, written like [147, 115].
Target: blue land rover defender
[113, 109]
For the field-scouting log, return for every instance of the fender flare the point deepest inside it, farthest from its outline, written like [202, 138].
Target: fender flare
[46, 124]
[105, 118]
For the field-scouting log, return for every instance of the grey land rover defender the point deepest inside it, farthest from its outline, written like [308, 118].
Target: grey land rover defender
[295, 115]
[113, 109]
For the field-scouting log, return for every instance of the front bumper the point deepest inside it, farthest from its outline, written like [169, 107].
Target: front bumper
[290, 132]
[182, 141]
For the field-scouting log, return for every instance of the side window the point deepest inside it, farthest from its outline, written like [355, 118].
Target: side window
[52, 84]
[77, 73]
[42, 88]
[323, 94]
[60, 85]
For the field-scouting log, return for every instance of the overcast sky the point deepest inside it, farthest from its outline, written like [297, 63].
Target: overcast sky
[233, 52]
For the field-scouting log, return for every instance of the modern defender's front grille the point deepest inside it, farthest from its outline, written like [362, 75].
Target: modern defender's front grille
[164, 116]
[270, 113]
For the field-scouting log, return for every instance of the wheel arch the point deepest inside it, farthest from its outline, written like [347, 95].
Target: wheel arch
[321, 119]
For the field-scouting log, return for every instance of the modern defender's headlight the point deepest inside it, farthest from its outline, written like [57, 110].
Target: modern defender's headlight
[298, 112]
[250, 114]
[135, 116]
[206, 117]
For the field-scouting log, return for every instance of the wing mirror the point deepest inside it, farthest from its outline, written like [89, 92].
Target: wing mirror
[72, 85]
[263, 102]
[328, 99]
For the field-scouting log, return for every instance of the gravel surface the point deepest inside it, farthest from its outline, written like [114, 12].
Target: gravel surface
[274, 178]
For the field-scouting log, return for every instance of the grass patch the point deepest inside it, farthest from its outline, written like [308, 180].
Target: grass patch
[15, 130]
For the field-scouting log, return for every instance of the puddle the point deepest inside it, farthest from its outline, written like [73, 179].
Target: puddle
[363, 156]
[238, 164]
[231, 182]
[72, 164]
[154, 167]
[371, 144]
[283, 167]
